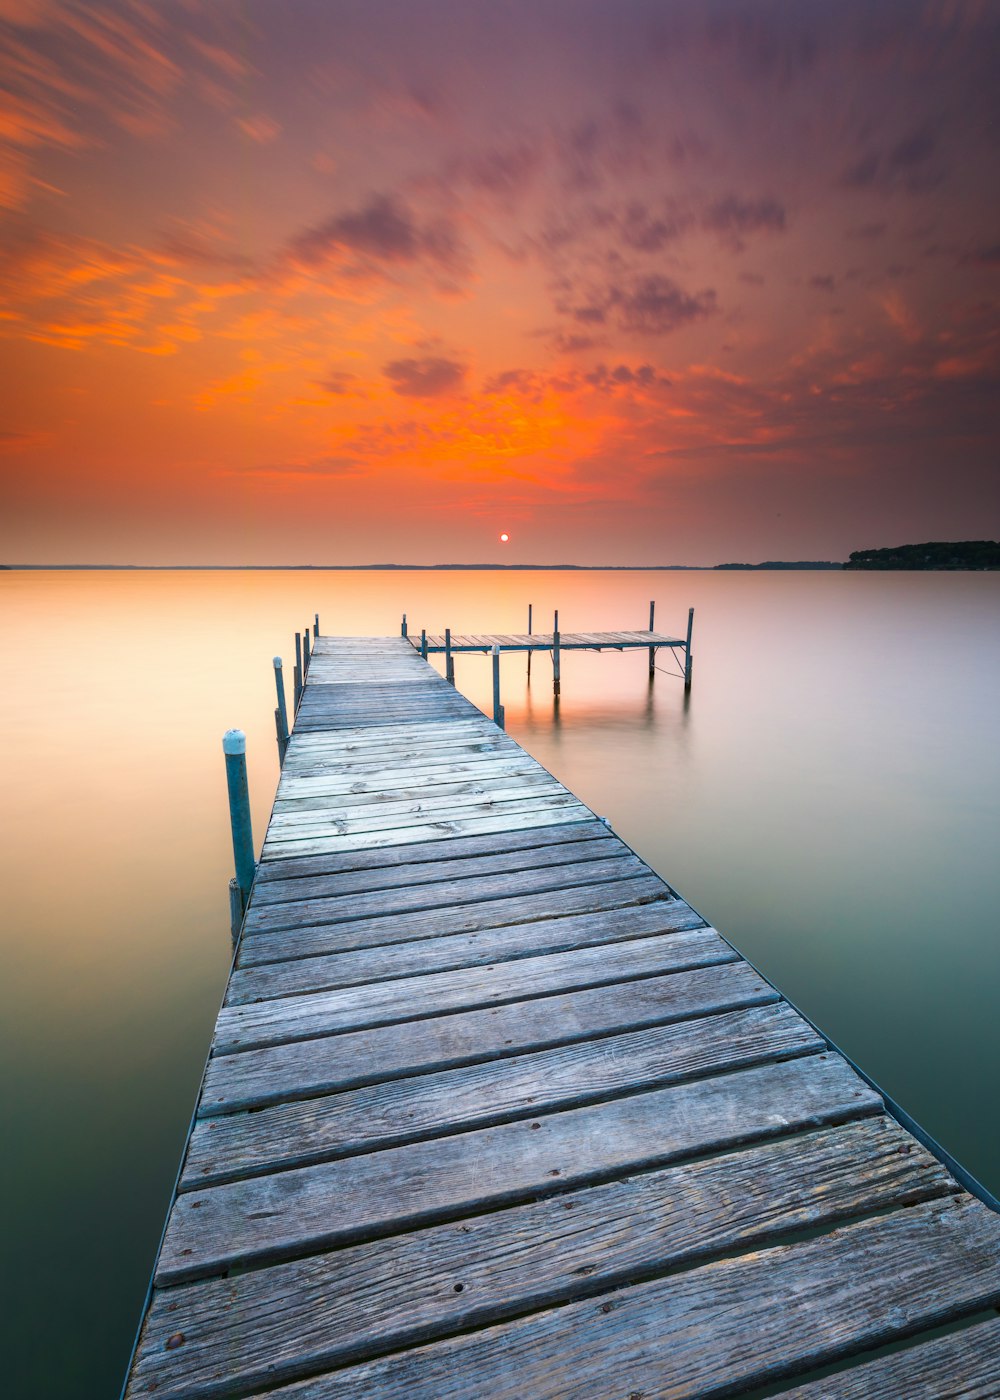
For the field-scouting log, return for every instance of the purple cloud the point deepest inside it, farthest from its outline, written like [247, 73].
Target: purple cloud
[425, 378]
[732, 217]
[385, 230]
[656, 305]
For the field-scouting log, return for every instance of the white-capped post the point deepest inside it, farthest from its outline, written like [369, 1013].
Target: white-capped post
[279, 685]
[234, 746]
[688, 658]
[497, 707]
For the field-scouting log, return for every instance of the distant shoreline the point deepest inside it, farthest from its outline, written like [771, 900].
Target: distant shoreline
[415, 568]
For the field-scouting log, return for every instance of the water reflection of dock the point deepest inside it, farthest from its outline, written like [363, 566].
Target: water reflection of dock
[491, 1112]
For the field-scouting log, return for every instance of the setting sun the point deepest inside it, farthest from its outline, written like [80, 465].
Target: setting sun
[504, 538]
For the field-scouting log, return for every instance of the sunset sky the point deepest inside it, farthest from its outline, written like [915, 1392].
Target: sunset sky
[310, 281]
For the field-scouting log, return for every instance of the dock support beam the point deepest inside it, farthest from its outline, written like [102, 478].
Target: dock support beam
[556, 681]
[688, 658]
[297, 674]
[281, 713]
[449, 660]
[234, 746]
[305, 655]
[403, 629]
[497, 707]
[316, 626]
[529, 634]
[423, 642]
[652, 650]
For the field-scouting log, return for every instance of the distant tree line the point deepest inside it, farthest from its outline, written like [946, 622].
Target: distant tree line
[936, 554]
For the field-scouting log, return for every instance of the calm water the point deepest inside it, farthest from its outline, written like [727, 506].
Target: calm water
[829, 798]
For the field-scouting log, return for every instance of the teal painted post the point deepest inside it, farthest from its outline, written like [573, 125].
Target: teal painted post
[297, 694]
[316, 626]
[279, 685]
[449, 660]
[688, 658]
[305, 655]
[652, 650]
[497, 707]
[423, 642]
[556, 677]
[404, 632]
[234, 746]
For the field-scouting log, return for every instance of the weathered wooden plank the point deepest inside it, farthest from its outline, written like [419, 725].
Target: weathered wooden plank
[276, 889]
[267, 1326]
[348, 1061]
[292, 806]
[449, 892]
[309, 1208]
[716, 1329]
[372, 930]
[964, 1366]
[451, 1101]
[543, 839]
[289, 818]
[385, 777]
[363, 962]
[533, 815]
[354, 1007]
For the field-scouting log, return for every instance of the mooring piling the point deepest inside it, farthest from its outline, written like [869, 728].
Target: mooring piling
[688, 658]
[316, 625]
[529, 634]
[297, 674]
[403, 629]
[497, 707]
[556, 685]
[423, 642]
[652, 650]
[449, 660]
[234, 746]
[305, 655]
[281, 712]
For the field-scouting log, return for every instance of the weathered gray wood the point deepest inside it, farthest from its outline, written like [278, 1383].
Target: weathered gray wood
[369, 778]
[381, 816]
[455, 849]
[964, 1366]
[716, 1329]
[448, 892]
[450, 1101]
[291, 809]
[243, 1026]
[265, 945]
[534, 815]
[348, 1061]
[309, 1208]
[363, 962]
[275, 889]
[260, 1328]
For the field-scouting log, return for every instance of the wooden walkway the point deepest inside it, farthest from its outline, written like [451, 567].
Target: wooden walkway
[491, 1114]
[546, 641]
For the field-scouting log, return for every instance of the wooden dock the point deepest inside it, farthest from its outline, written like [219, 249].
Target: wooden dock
[492, 1114]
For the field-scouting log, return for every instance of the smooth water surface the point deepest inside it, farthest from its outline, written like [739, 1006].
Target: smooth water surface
[828, 797]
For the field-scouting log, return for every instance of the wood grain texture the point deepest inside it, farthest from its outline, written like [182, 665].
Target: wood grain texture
[716, 1329]
[240, 1027]
[451, 1101]
[371, 963]
[348, 1061]
[445, 893]
[309, 1208]
[964, 1366]
[263, 1327]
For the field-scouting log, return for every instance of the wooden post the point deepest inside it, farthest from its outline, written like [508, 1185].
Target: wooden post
[282, 742]
[529, 634]
[423, 642]
[449, 660]
[688, 658]
[234, 746]
[316, 626]
[652, 650]
[403, 632]
[497, 707]
[306, 658]
[281, 711]
[556, 686]
[297, 692]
